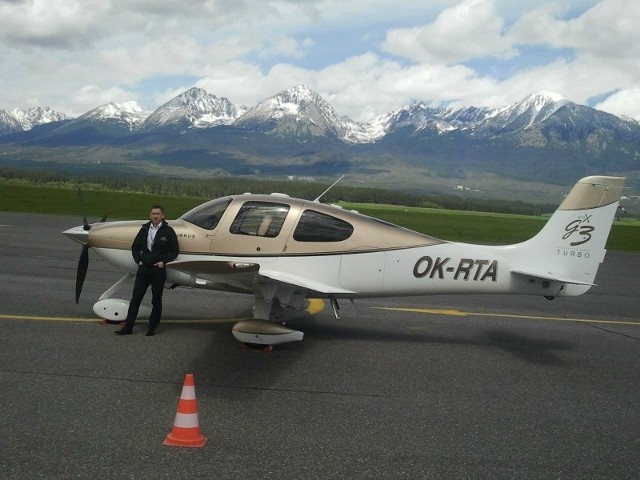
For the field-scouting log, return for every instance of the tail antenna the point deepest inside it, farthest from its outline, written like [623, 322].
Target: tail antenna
[330, 187]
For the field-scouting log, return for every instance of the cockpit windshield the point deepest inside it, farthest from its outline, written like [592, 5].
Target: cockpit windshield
[208, 214]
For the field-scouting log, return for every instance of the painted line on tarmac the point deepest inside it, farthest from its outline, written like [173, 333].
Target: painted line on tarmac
[428, 311]
[46, 319]
[97, 320]
[460, 313]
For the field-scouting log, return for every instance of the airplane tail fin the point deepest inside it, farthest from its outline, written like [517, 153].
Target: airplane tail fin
[569, 249]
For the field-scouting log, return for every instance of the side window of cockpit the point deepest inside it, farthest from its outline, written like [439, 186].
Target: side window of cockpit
[263, 219]
[208, 214]
[319, 227]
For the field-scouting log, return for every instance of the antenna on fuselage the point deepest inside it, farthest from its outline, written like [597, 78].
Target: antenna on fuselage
[330, 187]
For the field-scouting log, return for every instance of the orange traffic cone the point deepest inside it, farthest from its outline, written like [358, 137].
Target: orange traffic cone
[186, 427]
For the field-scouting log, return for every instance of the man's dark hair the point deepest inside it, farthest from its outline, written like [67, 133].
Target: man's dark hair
[159, 207]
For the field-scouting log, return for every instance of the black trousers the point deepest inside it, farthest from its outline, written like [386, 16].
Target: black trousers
[146, 276]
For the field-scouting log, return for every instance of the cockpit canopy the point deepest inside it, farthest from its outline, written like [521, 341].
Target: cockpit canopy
[265, 219]
[297, 226]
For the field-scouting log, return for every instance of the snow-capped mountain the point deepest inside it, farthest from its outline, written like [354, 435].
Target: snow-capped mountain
[370, 132]
[37, 116]
[419, 117]
[128, 113]
[19, 120]
[297, 112]
[534, 109]
[9, 123]
[300, 113]
[298, 131]
[193, 108]
[481, 122]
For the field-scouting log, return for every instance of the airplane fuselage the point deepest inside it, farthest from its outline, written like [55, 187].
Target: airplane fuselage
[441, 267]
[285, 251]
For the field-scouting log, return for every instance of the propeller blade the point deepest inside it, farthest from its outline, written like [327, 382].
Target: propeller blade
[83, 265]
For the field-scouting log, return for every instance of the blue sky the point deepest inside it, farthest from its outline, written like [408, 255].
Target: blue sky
[366, 57]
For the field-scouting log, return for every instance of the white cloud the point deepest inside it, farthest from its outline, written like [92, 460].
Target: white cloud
[467, 30]
[604, 40]
[367, 80]
[96, 95]
[167, 56]
[366, 57]
[64, 23]
[241, 83]
[605, 30]
[290, 47]
[386, 85]
[625, 102]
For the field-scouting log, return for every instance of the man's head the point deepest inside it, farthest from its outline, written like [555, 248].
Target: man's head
[156, 214]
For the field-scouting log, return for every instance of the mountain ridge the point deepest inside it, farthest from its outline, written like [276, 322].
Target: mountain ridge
[297, 131]
[196, 108]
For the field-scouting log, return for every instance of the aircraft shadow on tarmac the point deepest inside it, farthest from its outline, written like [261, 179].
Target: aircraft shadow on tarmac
[527, 348]
[532, 350]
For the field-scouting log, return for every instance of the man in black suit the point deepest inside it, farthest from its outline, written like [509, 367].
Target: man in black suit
[155, 245]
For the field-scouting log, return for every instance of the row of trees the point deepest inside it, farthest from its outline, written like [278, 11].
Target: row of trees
[213, 188]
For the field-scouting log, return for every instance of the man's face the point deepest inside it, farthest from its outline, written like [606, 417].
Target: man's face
[156, 216]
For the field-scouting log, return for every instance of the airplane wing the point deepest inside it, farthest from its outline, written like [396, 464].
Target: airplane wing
[248, 276]
[212, 267]
[551, 277]
[305, 283]
[217, 275]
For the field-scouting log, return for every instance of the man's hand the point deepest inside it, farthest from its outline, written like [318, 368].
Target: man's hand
[159, 264]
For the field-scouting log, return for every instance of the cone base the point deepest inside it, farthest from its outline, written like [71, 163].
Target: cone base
[172, 441]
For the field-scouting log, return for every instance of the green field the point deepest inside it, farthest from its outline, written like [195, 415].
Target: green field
[474, 227]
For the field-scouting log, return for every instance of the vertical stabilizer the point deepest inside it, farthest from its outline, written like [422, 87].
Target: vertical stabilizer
[571, 246]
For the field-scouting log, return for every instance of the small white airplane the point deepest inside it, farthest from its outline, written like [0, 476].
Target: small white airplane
[293, 254]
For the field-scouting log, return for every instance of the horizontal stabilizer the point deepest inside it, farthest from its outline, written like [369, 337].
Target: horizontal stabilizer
[552, 277]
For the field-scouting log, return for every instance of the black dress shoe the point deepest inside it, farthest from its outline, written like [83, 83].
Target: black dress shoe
[124, 331]
[150, 333]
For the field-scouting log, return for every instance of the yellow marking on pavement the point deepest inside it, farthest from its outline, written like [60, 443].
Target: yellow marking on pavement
[97, 320]
[508, 315]
[426, 310]
[429, 311]
[46, 319]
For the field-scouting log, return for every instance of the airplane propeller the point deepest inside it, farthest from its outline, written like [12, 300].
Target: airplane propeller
[83, 265]
[83, 262]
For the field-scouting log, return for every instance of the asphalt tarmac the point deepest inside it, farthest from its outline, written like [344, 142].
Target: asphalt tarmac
[460, 387]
